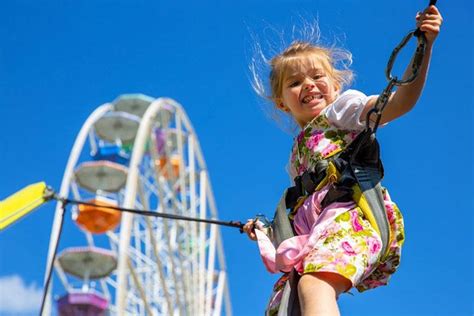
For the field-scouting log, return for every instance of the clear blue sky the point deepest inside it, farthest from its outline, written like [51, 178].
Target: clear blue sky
[59, 60]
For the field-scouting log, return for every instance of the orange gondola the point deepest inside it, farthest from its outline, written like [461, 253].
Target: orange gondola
[96, 219]
[164, 164]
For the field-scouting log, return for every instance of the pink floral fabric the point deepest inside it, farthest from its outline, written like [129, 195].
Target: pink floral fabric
[338, 238]
[318, 140]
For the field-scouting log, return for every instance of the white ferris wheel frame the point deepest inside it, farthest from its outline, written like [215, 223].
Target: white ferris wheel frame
[210, 296]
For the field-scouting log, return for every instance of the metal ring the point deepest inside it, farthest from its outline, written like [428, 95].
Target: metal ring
[417, 60]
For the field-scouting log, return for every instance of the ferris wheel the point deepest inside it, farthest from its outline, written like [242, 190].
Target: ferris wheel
[141, 153]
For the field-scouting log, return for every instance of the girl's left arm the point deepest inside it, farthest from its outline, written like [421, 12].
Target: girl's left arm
[405, 97]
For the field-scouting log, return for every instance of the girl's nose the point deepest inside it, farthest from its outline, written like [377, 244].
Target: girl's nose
[309, 87]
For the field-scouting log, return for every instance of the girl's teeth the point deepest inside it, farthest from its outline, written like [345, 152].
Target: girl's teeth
[308, 99]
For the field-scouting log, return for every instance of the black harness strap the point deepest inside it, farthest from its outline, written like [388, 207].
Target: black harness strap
[282, 229]
[366, 167]
[281, 226]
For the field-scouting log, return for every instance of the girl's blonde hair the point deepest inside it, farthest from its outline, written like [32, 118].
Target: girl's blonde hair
[335, 61]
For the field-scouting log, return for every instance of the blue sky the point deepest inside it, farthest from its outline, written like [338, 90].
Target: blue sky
[59, 60]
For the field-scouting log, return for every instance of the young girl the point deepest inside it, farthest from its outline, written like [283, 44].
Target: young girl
[335, 248]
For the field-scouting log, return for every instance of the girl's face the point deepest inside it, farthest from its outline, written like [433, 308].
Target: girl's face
[307, 89]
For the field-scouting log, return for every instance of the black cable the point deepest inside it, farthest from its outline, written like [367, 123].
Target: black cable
[235, 224]
[51, 263]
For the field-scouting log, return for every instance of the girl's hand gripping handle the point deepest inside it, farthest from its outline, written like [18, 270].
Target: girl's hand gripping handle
[259, 222]
[249, 228]
[429, 22]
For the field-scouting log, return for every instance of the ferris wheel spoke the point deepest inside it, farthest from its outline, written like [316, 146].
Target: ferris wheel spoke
[185, 237]
[185, 240]
[202, 245]
[105, 289]
[62, 276]
[210, 269]
[194, 227]
[166, 234]
[160, 265]
[139, 287]
[154, 248]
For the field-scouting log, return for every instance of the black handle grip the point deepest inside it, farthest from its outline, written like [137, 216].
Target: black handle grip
[432, 2]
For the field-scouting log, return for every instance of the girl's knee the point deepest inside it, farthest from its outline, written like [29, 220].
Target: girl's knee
[318, 293]
[331, 283]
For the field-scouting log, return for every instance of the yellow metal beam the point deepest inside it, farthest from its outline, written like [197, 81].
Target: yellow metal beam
[21, 203]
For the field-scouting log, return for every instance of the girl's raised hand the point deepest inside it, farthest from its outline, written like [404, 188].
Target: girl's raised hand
[429, 21]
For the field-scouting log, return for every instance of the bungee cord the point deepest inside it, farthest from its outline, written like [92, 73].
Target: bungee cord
[53, 259]
[65, 201]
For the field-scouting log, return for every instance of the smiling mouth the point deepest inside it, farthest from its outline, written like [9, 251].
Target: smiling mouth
[310, 98]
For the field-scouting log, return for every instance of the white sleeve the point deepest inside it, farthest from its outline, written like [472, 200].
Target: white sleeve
[345, 112]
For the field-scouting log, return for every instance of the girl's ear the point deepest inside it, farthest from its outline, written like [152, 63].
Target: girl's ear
[337, 87]
[281, 106]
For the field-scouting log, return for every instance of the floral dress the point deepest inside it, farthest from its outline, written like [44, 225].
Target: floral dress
[338, 238]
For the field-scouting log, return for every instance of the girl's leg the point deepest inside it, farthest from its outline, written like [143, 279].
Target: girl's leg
[318, 293]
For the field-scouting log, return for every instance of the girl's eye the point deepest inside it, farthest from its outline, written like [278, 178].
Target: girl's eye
[293, 84]
[317, 77]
